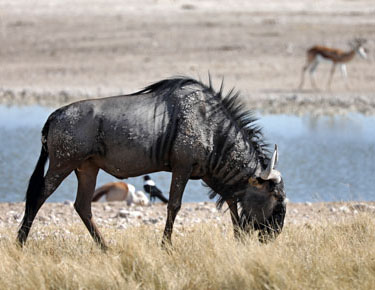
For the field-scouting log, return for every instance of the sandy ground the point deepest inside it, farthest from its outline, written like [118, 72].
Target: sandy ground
[119, 215]
[55, 52]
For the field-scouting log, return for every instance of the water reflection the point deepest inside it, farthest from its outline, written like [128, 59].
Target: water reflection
[321, 158]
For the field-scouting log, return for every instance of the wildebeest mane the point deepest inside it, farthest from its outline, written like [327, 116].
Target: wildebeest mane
[243, 119]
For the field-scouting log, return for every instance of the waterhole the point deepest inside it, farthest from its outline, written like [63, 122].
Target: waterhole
[320, 158]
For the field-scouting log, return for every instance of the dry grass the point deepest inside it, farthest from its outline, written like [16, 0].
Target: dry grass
[321, 256]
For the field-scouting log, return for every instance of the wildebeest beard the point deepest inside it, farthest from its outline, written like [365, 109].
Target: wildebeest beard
[269, 228]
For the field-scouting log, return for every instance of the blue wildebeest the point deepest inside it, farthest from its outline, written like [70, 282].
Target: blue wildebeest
[176, 125]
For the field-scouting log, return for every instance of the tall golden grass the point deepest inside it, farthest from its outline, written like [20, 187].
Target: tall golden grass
[205, 256]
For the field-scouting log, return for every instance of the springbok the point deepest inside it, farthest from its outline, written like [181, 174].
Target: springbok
[120, 191]
[316, 54]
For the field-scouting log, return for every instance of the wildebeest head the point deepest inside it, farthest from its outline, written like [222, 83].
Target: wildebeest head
[263, 203]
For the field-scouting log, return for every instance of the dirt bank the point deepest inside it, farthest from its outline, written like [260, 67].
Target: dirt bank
[56, 52]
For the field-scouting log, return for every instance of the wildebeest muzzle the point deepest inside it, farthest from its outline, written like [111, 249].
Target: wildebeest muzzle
[274, 224]
[269, 227]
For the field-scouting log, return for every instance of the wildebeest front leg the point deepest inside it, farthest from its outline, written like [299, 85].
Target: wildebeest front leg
[232, 204]
[179, 180]
[86, 175]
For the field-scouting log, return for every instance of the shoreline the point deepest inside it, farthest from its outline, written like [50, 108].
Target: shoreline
[290, 103]
[119, 215]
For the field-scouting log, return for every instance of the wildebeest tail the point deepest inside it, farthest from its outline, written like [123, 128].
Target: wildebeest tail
[36, 182]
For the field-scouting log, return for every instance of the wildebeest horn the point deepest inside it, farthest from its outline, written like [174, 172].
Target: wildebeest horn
[270, 173]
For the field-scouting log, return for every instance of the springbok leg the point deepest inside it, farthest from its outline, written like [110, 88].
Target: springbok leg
[344, 73]
[312, 70]
[331, 76]
[52, 180]
[86, 175]
[234, 216]
[300, 86]
[179, 180]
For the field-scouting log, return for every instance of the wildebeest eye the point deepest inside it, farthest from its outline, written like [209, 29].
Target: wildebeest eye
[260, 180]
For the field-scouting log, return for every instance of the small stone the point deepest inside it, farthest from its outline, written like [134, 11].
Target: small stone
[360, 207]
[344, 209]
[68, 202]
[41, 218]
[153, 221]
[11, 213]
[123, 213]
[308, 203]
[136, 214]
[332, 209]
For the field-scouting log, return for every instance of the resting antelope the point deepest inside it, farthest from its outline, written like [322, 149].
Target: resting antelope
[120, 191]
[317, 54]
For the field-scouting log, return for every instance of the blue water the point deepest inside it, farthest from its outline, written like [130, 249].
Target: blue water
[325, 158]
[321, 158]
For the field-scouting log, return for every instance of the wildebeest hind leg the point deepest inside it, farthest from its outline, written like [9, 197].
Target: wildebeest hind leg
[179, 180]
[51, 181]
[86, 175]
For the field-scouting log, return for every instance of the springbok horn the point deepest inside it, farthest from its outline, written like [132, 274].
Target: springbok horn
[270, 173]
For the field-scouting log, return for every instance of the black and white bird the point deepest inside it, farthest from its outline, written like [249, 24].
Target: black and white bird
[150, 187]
